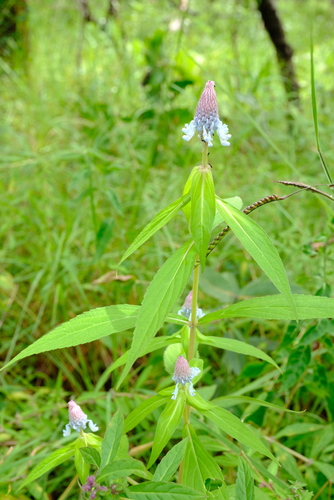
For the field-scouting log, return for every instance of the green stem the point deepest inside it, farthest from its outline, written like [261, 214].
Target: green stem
[193, 321]
[205, 155]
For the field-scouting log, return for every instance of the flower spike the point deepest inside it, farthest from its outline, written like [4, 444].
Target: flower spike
[186, 308]
[206, 120]
[78, 420]
[184, 374]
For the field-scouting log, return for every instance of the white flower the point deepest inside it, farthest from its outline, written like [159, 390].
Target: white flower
[206, 120]
[184, 374]
[77, 420]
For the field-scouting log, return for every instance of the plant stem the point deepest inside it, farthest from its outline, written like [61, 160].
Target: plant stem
[69, 488]
[205, 155]
[193, 321]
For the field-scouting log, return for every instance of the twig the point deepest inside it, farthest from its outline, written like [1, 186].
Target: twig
[308, 461]
[68, 489]
[321, 490]
[137, 450]
[306, 187]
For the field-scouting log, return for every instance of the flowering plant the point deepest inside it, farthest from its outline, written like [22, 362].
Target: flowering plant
[188, 469]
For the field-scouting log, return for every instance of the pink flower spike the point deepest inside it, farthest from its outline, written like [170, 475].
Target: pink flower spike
[206, 120]
[184, 374]
[78, 420]
[186, 308]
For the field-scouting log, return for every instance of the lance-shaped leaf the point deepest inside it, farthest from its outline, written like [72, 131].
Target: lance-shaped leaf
[81, 465]
[230, 424]
[235, 201]
[170, 463]
[123, 468]
[89, 326]
[275, 307]
[157, 223]
[112, 439]
[186, 190]
[164, 290]
[144, 409]
[162, 491]
[54, 459]
[91, 456]
[244, 487]
[167, 424]
[198, 464]
[203, 208]
[260, 247]
[228, 401]
[236, 346]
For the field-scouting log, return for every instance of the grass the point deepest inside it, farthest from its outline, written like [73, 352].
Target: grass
[89, 154]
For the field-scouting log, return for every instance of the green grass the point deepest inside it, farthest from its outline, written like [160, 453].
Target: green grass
[89, 155]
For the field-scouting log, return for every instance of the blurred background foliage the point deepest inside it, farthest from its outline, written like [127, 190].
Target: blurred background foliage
[93, 103]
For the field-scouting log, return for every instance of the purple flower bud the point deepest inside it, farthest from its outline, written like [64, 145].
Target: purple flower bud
[206, 120]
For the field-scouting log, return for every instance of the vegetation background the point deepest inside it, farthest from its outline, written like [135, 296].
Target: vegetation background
[91, 149]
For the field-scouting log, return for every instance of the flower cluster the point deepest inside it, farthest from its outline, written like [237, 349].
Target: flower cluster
[184, 374]
[78, 420]
[92, 487]
[206, 120]
[186, 308]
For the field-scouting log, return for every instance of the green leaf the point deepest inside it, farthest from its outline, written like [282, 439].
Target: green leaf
[89, 326]
[162, 491]
[54, 459]
[244, 487]
[170, 462]
[298, 361]
[81, 465]
[236, 450]
[157, 223]
[228, 401]
[186, 190]
[275, 307]
[220, 494]
[164, 290]
[91, 456]
[198, 402]
[230, 424]
[144, 409]
[297, 429]
[123, 468]
[203, 207]
[316, 332]
[103, 236]
[198, 464]
[326, 469]
[235, 201]
[112, 439]
[288, 462]
[321, 441]
[236, 346]
[260, 247]
[167, 424]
